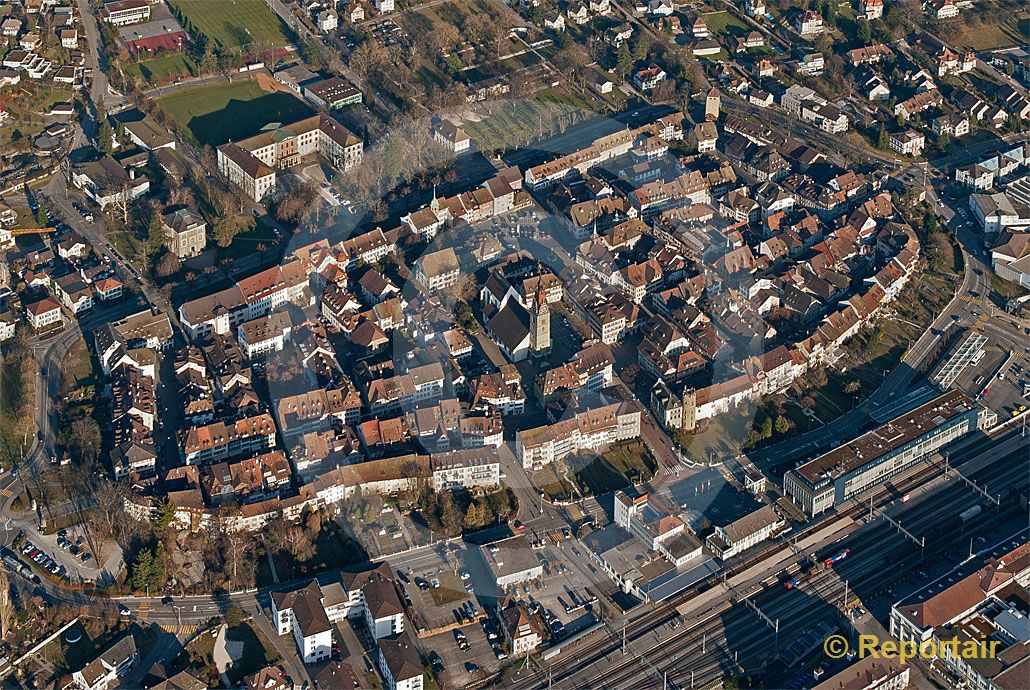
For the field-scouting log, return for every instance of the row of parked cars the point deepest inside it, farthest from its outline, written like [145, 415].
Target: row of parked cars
[466, 613]
[73, 547]
[41, 559]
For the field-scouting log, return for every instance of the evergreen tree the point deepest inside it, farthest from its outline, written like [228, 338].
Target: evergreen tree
[623, 60]
[155, 234]
[165, 515]
[105, 133]
[767, 427]
[639, 49]
[865, 31]
[142, 570]
[41, 214]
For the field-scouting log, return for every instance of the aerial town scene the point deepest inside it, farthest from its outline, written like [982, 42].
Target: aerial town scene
[523, 344]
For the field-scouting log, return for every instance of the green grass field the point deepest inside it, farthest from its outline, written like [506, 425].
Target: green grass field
[721, 23]
[632, 460]
[721, 56]
[721, 438]
[162, 68]
[216, 113]
[552, 483]
[247, 24]
[1007, 33]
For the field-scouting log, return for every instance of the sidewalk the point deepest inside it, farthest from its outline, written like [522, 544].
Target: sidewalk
[285, 648]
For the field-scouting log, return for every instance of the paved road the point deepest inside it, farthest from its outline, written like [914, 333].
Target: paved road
[50, 354]
[99, 91]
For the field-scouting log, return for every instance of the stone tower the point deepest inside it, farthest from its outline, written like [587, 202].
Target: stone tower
[713, 102]
[539, 322]
[689, 422]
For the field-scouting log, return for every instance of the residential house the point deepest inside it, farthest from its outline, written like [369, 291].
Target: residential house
[647, 78]
[437, 270]
[105, 670]
[907, 143]
[185, 232]
[808, 23]
[106, 182]
[44, 313]
[452, 136]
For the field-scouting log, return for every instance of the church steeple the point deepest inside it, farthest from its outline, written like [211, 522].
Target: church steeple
[539, 321]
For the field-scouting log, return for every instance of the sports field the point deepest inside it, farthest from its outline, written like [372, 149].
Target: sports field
[247, 24]
[216, 113]
[162, 68]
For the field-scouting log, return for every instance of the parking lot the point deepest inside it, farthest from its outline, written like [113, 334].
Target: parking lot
[54, 559]
[567, 595]
[389, 33]
[456, 666]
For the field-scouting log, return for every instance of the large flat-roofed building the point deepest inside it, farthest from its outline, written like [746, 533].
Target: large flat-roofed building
[512, 561]
[122, 12]
[876, 456]
[333, 93]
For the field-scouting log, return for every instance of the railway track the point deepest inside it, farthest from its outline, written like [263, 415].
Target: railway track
[672, 652]
[677, 660]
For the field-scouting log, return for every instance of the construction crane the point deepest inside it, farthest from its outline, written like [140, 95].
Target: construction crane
[17, 232]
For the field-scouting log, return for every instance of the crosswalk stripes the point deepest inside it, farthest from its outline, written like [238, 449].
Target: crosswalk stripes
[185, 629]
